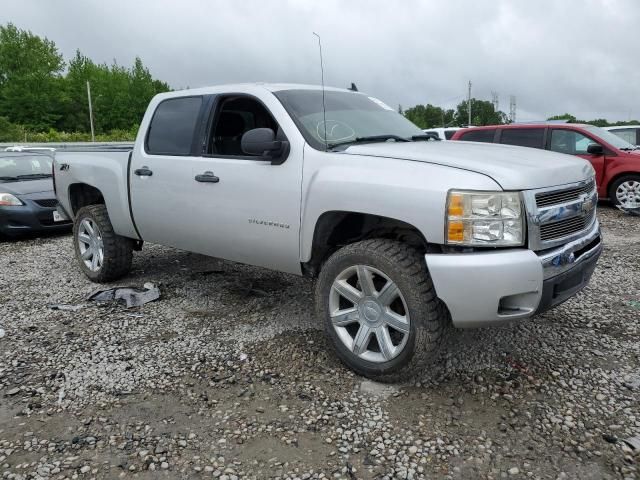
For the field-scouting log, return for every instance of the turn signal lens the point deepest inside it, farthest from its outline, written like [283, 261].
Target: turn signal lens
[456, 207]
[456, 232]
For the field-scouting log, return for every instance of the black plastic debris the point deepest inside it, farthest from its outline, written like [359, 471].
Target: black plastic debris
[131, 296]
[66, 308]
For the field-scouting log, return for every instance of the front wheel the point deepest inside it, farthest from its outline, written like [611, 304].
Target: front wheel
[380, 309]
[625, 190]
[103, 255]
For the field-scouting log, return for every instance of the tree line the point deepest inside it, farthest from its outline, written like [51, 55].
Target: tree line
[44, 98]
[482, 113]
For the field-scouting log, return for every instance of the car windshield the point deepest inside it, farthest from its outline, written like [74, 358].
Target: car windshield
[24, 167]
[350, 117]
[609, 137]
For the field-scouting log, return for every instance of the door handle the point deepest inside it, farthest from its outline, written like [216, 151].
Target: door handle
[207, 177]
[143, 172]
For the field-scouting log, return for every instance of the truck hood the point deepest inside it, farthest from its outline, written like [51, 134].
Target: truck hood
[513, 168]
[26, 187]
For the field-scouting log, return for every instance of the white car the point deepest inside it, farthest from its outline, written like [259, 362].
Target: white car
[442, 133]
[630, 133]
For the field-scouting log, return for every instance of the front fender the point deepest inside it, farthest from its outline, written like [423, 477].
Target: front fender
[409, 191]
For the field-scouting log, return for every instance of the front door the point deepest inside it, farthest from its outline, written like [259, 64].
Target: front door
[572, 142]
[224, 203]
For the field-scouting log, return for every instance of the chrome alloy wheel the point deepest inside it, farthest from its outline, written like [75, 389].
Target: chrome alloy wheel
[90, 244]
[628, 192]
[369, 313]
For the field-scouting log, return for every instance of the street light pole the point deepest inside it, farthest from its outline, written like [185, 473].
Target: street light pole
[93, 136]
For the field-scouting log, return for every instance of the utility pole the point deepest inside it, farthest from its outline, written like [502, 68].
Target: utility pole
[494, 100]
[469, 103]
[93, 136]
[512, 108]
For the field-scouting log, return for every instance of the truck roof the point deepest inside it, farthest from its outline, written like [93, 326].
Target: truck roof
[272, 87]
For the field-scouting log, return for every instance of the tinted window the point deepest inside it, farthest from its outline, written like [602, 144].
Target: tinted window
[172, 127]
[570, 142]
[448, 134]
[523, 137]
[478, 136]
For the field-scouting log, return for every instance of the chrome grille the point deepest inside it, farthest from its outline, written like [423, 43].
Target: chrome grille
[557, 197]
[565, 228]
[559, 215]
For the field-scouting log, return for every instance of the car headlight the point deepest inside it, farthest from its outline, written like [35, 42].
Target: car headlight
[484, 219]
[8, 200]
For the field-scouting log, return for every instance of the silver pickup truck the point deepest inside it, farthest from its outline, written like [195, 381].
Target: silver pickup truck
[406, 236]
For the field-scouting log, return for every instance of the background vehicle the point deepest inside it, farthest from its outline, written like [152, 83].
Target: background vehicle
[615, 161]
[629, 133]
[27, 200]
[405, 236]
[442, 133]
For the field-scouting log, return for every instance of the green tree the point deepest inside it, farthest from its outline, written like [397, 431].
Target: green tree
[482, 113]
[31, 82]
[429, 116]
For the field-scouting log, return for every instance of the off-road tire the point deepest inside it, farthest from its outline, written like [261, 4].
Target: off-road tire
[430, 321]
[118, 250]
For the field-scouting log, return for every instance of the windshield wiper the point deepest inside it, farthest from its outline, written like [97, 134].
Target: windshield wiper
[8, 179]
[425, 137]
[35, 175]
[371, 139]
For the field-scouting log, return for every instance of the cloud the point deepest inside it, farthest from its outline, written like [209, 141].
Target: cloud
[571, 56]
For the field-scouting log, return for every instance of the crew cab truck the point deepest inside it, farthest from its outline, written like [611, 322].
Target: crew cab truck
[404, 236]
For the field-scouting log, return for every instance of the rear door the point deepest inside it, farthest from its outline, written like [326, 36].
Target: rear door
[160, 179]
[523, 137]
[573, 142]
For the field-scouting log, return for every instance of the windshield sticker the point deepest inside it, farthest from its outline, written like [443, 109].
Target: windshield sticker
[380, 103]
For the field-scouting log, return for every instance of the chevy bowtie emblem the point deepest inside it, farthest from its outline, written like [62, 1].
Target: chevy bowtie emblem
[587, 204]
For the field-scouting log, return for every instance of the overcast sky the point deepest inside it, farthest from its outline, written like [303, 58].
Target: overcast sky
[576, 56]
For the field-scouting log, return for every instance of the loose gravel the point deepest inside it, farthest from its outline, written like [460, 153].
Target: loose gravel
[229, 376]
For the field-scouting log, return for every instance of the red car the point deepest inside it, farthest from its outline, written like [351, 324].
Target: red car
[616, 162]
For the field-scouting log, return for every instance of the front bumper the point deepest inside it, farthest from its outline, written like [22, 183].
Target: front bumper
[486, 288]
[30, 217]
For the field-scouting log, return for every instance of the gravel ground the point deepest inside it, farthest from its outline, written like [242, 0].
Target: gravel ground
[228, 376]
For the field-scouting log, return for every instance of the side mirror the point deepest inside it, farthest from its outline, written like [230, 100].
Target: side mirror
[595, 149]
[261, 142]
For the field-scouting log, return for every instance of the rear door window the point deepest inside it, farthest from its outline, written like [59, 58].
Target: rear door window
[479, 136]
[523, 137]
[173, 125]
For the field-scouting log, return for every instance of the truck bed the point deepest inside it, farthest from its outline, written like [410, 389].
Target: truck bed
[100, 166]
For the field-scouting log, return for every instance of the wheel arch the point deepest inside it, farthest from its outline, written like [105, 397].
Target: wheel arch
[617, 177]
[83, 194]
[337, 228]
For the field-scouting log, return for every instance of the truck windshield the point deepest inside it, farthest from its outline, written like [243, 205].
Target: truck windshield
[609, 137]
[24, 167]
[350, 116]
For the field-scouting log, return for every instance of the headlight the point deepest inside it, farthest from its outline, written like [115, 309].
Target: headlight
[484, 219]
[8, 200]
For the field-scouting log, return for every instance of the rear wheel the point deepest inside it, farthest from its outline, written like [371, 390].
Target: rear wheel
[380, 309]
[625, 190]
[103, 255]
